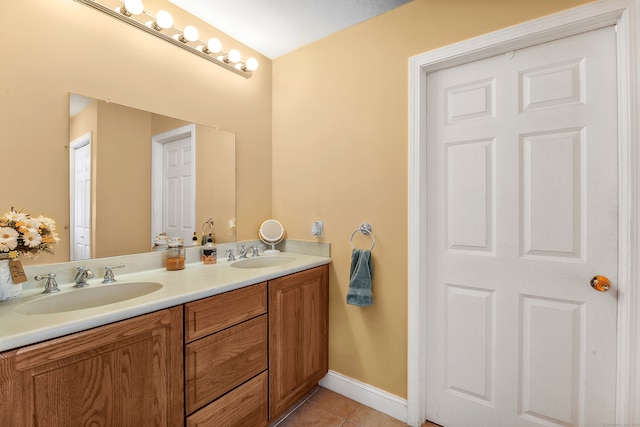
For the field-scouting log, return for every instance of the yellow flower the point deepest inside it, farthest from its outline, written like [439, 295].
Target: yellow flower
[48, 238]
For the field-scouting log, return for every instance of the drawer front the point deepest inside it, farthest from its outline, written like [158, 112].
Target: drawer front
[244, 406]
[218, 312]
[220, 362]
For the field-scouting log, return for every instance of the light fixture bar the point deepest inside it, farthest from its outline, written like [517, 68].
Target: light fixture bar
[238, 68]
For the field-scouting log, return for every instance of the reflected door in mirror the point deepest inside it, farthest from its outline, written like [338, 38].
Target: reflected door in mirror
[80, 186]
[178, 185]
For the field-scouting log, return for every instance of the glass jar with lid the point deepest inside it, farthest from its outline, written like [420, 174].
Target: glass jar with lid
[175, 254]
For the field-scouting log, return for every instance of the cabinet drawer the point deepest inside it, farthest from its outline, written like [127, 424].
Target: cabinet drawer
[218, 312]
[244, 406]
[219, 362]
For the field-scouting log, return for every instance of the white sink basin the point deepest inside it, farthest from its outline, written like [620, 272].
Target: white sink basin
[262, 262]
[87, 298]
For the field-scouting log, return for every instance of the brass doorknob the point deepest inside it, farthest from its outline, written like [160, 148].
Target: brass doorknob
[600, 283]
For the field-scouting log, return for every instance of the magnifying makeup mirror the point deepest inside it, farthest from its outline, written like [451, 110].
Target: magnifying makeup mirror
[271, 233]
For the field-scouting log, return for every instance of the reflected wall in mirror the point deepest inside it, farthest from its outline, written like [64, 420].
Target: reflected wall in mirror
[112, 168]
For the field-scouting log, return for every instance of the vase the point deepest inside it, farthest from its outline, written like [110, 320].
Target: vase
[8, 289]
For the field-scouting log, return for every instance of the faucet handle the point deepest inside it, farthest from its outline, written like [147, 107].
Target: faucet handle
[255, 250]
[81, 277]
[232, 256]
[85, 271]
[51, 286]
[108, 273]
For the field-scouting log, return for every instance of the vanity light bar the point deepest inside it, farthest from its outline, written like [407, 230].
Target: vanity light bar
[186, 39]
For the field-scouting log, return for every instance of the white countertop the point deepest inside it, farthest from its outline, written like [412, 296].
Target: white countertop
[196, 281]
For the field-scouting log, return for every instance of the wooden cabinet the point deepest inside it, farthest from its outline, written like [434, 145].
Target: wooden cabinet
[242, 360]
[243, 406]
[213, 314]
[226, 359]
[298, 336]
[128, 373]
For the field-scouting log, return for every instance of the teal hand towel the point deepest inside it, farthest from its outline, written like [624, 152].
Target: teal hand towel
[360, 284]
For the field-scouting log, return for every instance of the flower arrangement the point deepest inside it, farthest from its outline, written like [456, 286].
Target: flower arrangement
[21, 234]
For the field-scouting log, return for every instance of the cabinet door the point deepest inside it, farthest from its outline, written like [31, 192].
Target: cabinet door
[244, 406]
[222, 361]
[298, 336]
[213, 314]
[128, 373]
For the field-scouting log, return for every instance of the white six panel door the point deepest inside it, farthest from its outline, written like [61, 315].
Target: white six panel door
[522, 196]
[177, 206]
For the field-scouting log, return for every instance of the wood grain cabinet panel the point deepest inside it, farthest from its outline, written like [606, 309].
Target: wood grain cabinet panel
[221, 361]
[298, 336]
[213, 314]
[245, 406]
[128, 373]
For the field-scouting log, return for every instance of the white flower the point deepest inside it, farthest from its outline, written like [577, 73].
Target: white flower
[32, 239]
[15, 216]
[34, 223]
[8, 239]
[47, 223]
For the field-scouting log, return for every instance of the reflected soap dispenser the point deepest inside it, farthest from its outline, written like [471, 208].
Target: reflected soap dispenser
[209, 252]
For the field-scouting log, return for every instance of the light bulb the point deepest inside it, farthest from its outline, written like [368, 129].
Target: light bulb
[252, 64]
[214, 45]
[164, 19]
[233, 56]
[191, 33]
[131, 7]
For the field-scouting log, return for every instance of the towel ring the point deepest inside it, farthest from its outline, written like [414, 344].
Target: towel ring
[364, 229]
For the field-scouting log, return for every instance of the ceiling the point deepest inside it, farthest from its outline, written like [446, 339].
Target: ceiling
[276, 27]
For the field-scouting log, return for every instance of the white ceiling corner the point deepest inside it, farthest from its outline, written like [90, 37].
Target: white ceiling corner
[276, 27]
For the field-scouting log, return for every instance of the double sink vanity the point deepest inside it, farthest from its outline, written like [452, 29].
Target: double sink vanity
[231, 344]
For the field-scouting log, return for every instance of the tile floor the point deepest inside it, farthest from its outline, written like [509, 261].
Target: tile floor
[325, 408]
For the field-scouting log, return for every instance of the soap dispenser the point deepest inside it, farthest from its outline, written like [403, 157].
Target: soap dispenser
[209, 252]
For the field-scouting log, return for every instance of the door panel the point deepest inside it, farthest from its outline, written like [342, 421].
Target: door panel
[81, 203]
[177, 218]
[522, 195]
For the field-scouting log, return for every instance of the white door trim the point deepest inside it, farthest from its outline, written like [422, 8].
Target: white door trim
[73, 146]
[157, 141]
[626, 15]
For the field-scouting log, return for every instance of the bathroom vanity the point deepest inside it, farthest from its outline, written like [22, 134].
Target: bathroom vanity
[239, 356]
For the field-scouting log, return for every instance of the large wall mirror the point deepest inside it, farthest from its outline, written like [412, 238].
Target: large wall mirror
[134, 174]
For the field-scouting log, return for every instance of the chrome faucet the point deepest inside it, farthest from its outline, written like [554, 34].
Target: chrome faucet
[81, 277]
[51, 286]
[243, 251]
[255, 250]
[231, 255]
[108, 273]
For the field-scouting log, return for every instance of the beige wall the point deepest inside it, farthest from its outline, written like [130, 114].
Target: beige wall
[51, 48]
[340, 155]
[122, 181]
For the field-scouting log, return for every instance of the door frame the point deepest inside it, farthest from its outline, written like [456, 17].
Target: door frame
[625, 14]
[157, 171]
[73, 146]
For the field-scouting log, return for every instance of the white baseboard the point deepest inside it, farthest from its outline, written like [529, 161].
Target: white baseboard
[365, 394]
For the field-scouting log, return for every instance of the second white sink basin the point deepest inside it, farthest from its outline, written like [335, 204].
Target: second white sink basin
[87, 298]
[262, 262]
